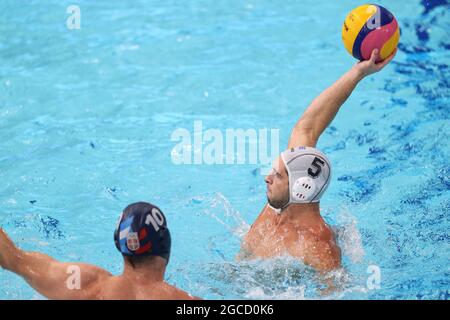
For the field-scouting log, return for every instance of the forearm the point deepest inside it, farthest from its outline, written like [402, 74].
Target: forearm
[324, 108]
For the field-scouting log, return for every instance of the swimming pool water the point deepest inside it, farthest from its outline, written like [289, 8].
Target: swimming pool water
[86, 118]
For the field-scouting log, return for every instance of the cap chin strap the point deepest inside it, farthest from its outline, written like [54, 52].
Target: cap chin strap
[279, 210]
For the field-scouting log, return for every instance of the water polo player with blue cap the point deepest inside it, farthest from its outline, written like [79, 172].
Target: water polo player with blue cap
[143, 239]
[291, 223]
[142, 232]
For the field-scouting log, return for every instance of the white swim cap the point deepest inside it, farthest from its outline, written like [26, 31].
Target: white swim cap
[309, 173]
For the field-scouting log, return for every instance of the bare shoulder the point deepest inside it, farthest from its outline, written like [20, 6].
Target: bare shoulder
[173, 293]
[93, 271]
[258, 222]
[266, 210]
[319, 250]
[93, 280]
[255, 233]
[183, 295]
[91, 275]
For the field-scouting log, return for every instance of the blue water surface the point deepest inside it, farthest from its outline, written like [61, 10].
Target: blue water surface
[86, 118]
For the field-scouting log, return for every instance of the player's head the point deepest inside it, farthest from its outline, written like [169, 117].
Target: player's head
[299, 175]
[142, 233]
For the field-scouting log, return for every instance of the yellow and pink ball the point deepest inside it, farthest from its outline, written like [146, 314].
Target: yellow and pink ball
[370, 27]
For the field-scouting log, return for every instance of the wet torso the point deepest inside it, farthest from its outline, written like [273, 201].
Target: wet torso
[272, 236]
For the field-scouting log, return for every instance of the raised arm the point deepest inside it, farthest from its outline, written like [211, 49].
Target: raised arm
[324, 108]
[53, 279]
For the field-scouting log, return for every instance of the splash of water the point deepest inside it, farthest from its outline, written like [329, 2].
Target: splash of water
[277, 278]
[348, 236]
[238, 226]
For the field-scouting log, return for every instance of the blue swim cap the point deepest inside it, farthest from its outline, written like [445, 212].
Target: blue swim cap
[142, 231]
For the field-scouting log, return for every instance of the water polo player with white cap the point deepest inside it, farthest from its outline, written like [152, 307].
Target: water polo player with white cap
[309, 173]
[291, 223]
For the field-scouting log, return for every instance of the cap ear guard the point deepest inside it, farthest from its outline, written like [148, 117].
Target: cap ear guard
[303, 189]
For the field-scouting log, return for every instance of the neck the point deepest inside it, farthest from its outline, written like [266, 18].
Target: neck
[304, 213]
[145, 272]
